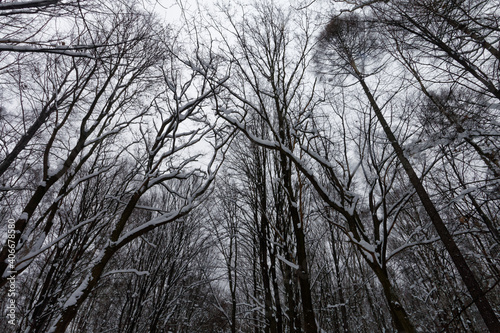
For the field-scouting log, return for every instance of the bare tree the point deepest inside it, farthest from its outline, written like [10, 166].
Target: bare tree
[342, 34]
[95, 114]
[269, 85]
[148, 105]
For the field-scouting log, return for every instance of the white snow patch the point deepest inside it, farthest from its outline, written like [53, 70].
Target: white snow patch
[291, 264]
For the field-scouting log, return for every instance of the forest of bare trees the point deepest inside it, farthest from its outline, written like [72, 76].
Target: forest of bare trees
[257, 166]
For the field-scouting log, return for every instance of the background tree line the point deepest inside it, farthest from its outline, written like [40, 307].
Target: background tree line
[261, 167]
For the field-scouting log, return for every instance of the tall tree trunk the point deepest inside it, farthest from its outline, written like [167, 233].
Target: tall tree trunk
[262, 227]
[277, 298]
[400, 318]
[293, 316]
[478, 295]
[338, 280]
[303, 270]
